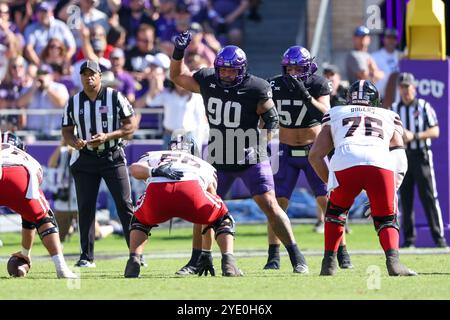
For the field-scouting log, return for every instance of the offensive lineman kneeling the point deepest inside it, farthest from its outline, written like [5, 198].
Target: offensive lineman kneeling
[179, 184]
[20, 179]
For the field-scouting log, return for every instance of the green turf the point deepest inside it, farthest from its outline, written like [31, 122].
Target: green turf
[159, 282]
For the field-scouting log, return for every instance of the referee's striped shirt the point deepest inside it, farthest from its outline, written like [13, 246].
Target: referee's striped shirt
[101, 115]
[417, 117]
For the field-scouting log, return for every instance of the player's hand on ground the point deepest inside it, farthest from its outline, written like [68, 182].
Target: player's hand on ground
[166, 171]
[182, 40]
[205, 265]
[20, 255]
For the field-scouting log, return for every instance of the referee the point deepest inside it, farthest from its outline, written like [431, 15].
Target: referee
[421, 125]
[102, 118]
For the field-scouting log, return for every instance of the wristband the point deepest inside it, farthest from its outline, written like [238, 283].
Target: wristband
[178, 54]
[416, 136]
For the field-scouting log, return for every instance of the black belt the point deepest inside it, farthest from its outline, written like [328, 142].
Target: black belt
[100, 153]
[299, 151]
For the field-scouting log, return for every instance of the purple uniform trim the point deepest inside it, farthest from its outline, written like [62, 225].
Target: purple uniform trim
[257, 178]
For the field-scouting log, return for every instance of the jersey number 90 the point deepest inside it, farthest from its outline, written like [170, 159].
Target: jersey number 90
[229, 114]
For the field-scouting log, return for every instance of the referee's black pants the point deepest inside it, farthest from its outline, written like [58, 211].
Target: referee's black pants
[87, 171]
[420, 171]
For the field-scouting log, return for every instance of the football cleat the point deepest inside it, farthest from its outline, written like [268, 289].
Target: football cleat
[395, 267]
[133, 268]
[301, 268]
[85, 264]
[329, 264]
[272, 264]
[229, 267]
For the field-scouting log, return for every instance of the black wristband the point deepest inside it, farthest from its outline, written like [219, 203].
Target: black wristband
[178, 54]
[416, 136]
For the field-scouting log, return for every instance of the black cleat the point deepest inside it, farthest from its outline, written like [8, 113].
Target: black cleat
[229, 267]
[187, 270]
[395, 267]
[133, 268]
[344, 258]
[329, 265]
[272, 264]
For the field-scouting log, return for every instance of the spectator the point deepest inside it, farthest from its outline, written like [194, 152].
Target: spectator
[137, 59]
[166, 17]
[182, 109]
[61, 75]
[47, 27]
[421, 125]
[195, 62]
[182, 21]
[132, 17]
[54, 52]
[360, 64]
[11, 89]
[94, 48]
[126, 85]
[387, 59]
[21, 12]
[227, 18]
[198, 46]
[44, 93]
[6, 26]
[116, 37]
[338, 95]
[9, 49]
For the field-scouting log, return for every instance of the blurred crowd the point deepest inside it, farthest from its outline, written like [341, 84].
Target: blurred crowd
[43, 43]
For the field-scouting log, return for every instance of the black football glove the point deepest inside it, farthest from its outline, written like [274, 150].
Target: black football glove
[181, 42]
[166, 171]
[205, 265]
[297, 85]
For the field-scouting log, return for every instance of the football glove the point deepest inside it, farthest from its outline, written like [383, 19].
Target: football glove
[181, 42]
[166, 171]
[297, 85]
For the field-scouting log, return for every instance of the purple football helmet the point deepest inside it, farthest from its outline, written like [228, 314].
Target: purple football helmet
[299, 56]
[231, 57]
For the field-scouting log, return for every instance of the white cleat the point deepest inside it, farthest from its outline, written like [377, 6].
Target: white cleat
[66, 274]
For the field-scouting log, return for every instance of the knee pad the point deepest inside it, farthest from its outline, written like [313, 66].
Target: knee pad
[336, 214]
[386, 222]
[50, 219]
[135, 224]
[223, 225]
[28, 225]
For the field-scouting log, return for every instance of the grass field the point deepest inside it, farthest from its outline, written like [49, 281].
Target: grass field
[167, 253]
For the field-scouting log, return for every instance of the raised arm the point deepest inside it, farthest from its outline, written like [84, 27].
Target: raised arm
[179, 72]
